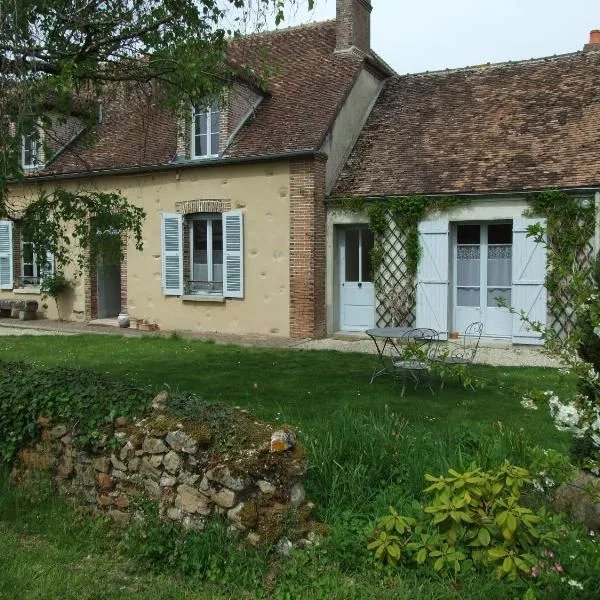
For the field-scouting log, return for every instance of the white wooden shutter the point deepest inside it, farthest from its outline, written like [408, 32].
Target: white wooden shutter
[48, 267]
[6, 255]
[233, 242]
[529, 277]
[172, 254]
[432, 276]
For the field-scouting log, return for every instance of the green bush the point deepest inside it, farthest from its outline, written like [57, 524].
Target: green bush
[82, 399]
[475, 519]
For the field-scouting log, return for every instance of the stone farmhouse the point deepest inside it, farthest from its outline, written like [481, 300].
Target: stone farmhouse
[247, 231]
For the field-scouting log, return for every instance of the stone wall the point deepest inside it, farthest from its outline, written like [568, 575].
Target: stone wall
[225, 463]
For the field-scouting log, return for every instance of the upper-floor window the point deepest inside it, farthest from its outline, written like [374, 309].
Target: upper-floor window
[205, 130]
[29, 152]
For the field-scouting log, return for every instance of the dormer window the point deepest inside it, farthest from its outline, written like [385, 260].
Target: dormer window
[29, 152]
[205, 130]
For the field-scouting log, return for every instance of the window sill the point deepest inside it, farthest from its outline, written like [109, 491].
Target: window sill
[202, 298]
[34, 291]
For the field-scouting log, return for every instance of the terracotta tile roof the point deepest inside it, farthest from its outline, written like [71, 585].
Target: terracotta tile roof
[304, 95]
[508, 127]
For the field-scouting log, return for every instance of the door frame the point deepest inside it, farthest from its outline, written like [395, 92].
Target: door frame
[341, 270]
[483, 270]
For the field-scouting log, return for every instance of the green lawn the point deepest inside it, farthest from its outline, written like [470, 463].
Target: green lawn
[304, 387]
[369, 448]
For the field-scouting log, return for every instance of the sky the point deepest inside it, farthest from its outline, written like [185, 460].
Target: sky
[428, 35]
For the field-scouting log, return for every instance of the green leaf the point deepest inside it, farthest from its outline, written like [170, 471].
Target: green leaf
[438, 564]
[484, 537]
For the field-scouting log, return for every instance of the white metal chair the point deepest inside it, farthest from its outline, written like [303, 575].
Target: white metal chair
[464, 353]
[415, 355]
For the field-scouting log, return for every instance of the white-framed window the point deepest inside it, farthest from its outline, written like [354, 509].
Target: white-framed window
[33, 270]
[206, 254]
[29, 152]
[205, 130]
[216, 254]
[29, 265]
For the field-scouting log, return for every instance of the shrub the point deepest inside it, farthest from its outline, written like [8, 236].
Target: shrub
[475, 519]
[82, 399]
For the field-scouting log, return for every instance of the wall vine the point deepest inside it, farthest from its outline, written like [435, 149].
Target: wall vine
[570, 225]
[406, 212]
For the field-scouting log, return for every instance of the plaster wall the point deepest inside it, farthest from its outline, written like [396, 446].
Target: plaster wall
[348, 124]
[262, 193]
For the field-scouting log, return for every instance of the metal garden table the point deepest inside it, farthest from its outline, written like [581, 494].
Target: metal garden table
[383, 337]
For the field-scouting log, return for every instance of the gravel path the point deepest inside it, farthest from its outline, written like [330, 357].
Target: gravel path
[28, 331]
[505, 356]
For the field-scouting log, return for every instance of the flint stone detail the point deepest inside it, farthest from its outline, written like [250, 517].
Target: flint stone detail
[191, 500]
[172, 462]
[222, 475]
[181, 442]
[282, 441]
[154, 446]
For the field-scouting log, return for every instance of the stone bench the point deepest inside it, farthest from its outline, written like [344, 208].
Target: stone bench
[25, 310]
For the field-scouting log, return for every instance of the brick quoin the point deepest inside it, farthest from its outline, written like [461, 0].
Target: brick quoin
[307, 248]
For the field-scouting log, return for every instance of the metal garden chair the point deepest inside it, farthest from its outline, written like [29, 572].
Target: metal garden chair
[415, 356]
[464, 353]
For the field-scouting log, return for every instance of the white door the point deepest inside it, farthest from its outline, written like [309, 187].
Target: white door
[357, 293]
[482, 274]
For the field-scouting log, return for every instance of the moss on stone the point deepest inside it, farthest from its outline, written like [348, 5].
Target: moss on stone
[249, 515]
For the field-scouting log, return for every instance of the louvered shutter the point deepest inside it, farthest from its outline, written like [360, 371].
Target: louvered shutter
[47, 268]
[6, 255]
[432, 277]
[233, 242]
[172, 254]
[529, 277]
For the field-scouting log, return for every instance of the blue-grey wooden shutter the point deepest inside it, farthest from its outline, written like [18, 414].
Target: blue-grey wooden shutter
[432, 276]
[529, 278]
[172, 254]
[6, 255]
[233, 256]
[47, 268]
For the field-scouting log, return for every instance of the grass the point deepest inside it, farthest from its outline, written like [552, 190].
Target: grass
[369, 448]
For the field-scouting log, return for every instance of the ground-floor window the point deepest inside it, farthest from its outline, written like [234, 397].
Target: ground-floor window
[206, 254]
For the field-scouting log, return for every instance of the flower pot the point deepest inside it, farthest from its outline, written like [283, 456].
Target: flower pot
[123, 320]
[453, 335]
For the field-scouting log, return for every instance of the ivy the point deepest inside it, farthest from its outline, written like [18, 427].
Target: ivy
[81, 226]
[570, 225]
[405, 212]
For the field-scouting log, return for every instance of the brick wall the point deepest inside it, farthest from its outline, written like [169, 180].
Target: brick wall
[307, 248]
[353, 25]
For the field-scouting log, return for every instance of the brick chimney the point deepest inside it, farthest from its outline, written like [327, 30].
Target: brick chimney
[594, 43]
[353, 25]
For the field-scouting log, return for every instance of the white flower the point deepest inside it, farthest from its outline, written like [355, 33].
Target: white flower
[529, 404]
[575, 584]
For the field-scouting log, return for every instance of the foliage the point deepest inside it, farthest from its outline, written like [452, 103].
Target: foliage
[54, 285]
[85, 400]
[475, 519]
[83, 225]
[405, 212]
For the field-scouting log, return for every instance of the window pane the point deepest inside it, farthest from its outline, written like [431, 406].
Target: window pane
[214, 120]
[467, 296]
[214, 143]
[200, 145]
[468, 234]
[499, 265]
[500, 233]
[494, 293]
[468, 265]
[217, 242]
[368, 241]
[352, 254]
[200, 250]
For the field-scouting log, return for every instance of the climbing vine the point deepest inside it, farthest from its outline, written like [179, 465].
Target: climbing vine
[570, 225]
